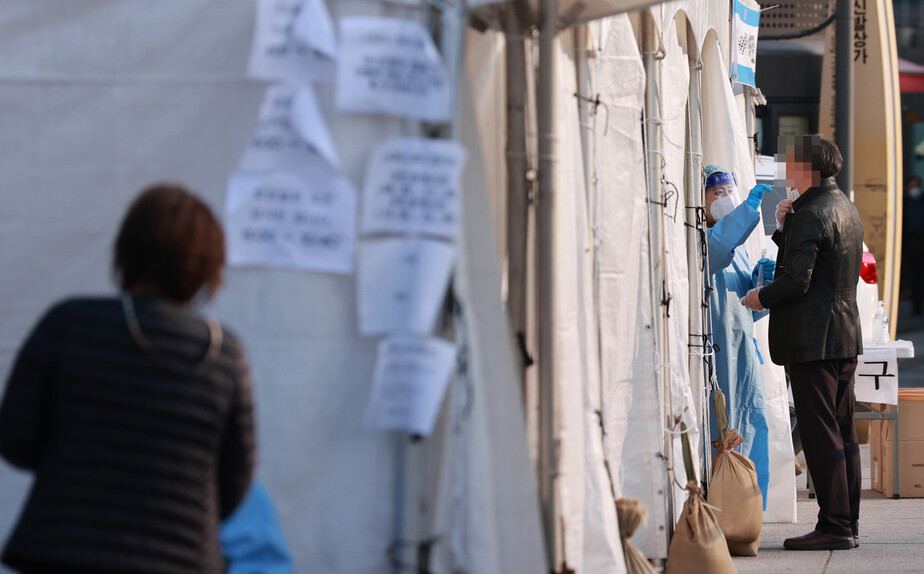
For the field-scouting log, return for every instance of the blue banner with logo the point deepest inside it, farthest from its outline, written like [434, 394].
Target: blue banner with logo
[744, 51]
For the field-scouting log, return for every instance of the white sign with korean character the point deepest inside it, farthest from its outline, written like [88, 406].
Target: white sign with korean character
[876, 379]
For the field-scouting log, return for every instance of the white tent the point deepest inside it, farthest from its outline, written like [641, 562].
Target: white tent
[101, 98]
[645, 381]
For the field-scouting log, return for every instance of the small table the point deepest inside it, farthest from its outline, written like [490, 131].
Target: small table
[865, 411]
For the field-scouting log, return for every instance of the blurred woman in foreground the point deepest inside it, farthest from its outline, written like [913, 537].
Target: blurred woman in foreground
[133, 412]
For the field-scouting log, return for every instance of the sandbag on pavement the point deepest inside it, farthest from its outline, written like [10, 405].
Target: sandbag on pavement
[735, 492]
[630, 512]
[698, 545]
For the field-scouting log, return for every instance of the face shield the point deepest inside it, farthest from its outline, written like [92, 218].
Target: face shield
[721, 195]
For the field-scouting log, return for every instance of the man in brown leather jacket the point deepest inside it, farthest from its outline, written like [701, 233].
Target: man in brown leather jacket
[815, 330]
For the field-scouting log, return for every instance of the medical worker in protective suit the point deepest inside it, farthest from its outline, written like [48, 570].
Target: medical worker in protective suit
[737, 360]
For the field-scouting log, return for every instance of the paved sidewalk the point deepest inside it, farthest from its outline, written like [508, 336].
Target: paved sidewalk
[891, 539]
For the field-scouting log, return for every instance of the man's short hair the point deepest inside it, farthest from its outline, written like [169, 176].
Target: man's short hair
[171, 241]
[815, 149]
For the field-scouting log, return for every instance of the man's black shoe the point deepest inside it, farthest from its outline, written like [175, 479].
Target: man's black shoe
[817, 540]
[856, 540]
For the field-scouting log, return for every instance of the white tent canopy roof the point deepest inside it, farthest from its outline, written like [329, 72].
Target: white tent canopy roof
[570, 12]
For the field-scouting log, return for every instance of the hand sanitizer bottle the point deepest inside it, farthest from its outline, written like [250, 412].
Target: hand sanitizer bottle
[884, 324]
[880, 325]
[761, 280]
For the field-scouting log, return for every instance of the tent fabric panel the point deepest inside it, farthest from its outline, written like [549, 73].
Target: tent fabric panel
[631, 408]
[675, 87]
[487, 514]
[588, 514]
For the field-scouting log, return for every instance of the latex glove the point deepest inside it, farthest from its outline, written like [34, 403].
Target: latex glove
[757, 194]
[752, 301]
[782, 208]
[769, 266]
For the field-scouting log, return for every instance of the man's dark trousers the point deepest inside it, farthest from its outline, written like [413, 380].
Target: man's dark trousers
[824, 400]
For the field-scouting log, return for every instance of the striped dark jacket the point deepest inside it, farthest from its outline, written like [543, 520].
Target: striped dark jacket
[136, 457]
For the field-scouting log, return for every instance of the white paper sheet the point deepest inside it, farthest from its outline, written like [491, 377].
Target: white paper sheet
[274, 53]
[401, 284]
[308, 121]
[390, 66]
[412, 186]
[313, 27]
[281, 220]
[277, 145]
[410, 378]
[876, 378]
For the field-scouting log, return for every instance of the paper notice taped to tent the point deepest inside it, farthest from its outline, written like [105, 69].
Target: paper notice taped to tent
[308, 122]
[276, 144]
[313, 27]
[410, 378]
[412, 186]
[401, 284]
[274, 53]
[391, 66]
[281, 220]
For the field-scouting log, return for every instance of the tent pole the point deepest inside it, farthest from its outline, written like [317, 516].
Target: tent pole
[654, 159]
[695, 259]
[548, 416]
[750, 120]
[843, 91]
[517, 184]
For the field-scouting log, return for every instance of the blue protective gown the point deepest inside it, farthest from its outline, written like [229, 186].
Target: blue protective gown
[737, 361]
[251, 538]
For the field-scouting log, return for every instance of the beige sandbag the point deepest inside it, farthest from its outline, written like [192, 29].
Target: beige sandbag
[698, 545]
[630, 513]
[735, 492]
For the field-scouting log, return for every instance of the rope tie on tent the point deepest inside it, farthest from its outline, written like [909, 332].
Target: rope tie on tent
[596, 102]
[670, 192]
[599, 413]
[699, 214]
[683, 432]
[666, 298]
[708, 348]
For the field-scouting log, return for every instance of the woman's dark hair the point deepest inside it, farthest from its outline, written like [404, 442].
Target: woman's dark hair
[819, 151]
[170, 241]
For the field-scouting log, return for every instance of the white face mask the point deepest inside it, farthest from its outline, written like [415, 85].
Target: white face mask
[792, 193]
[722, 207]
[914, 193]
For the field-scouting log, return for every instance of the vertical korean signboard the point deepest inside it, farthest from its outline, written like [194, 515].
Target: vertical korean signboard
[877, 156]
